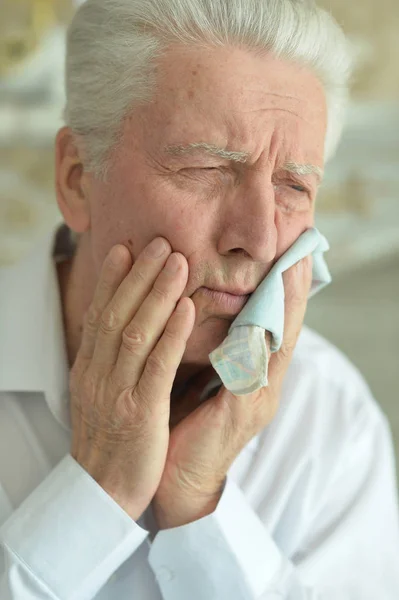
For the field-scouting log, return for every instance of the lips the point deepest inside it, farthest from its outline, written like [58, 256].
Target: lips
[229, 304]
[233, 291]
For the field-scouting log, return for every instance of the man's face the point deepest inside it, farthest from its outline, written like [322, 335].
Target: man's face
[231, 220]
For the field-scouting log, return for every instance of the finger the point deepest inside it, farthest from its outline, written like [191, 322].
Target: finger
[126, 301]
[114, 269]
[297, 282]
[155, 384]
[268, 340]
[144, 331]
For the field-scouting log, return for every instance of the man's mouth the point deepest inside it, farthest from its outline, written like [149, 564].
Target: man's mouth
[229, 304]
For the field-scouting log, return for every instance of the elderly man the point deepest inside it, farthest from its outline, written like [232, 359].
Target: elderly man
[196, 134]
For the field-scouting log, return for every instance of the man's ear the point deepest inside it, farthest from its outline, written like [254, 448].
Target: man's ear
[71, 182]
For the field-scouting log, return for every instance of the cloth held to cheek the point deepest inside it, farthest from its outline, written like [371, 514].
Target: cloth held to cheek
[242, 360]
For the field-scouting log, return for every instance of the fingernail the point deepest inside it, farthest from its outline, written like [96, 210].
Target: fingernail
[182, 306]
[172, 264]
[115, 255]
[156, 248]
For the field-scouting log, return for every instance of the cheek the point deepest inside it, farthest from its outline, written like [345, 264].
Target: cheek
[177, 220]
[115, 219]
[180, 219]
[137, 209]
[290, 228]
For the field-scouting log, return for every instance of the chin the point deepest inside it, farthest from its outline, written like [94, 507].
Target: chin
[205, 338]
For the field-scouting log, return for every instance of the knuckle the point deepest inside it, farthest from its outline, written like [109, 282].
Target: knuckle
[140, 274]
[172, 333]
[109, 322]
[92, 317]
[133, 337]
[134, 406]
[286, 350]
[125, 408]
[156, 365]
[159, 293]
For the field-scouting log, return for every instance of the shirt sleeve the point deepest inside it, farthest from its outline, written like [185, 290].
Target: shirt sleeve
[65, 540]
[351, 549]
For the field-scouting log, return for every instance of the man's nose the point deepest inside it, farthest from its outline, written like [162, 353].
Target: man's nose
[248, 224]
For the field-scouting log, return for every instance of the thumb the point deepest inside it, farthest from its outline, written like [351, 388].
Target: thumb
[297, 283]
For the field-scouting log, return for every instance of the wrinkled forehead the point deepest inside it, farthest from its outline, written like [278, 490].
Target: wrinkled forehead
[237, 98]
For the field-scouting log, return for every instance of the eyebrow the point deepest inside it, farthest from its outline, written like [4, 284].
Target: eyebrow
[239, 157]
[211, 149]
[304, 169]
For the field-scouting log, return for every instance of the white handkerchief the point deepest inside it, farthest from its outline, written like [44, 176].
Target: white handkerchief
[242, 360]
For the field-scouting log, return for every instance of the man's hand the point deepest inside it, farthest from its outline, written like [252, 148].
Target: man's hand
[133, 341]
[205, 442]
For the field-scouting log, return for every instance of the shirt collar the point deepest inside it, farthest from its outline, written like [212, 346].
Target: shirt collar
[33, 354]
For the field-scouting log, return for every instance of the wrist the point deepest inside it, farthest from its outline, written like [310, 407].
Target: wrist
[177, 514]
[114, 486]
[133, 509]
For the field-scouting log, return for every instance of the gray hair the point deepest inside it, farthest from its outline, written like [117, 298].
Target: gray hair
[112, 46]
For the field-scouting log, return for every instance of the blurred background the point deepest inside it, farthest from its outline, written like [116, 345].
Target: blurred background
[358, 206]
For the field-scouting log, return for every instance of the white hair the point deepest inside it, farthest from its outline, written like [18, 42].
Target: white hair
[112, 47]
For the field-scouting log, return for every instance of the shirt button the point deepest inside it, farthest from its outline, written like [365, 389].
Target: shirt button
[165, 574]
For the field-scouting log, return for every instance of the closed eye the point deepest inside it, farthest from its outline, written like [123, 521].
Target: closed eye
[205, 170]
[299, 188]
[208, 168]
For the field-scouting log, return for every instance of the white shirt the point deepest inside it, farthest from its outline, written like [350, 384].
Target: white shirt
[309, 510]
